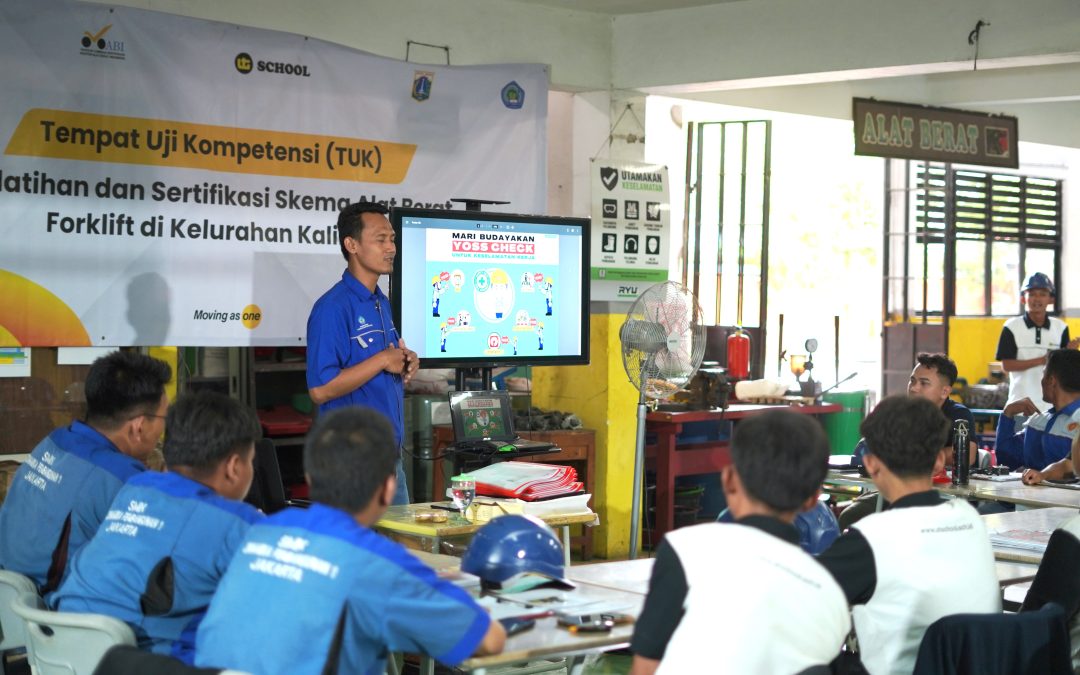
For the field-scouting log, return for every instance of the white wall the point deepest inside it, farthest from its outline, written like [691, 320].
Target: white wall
[577, 45]
[819, 40]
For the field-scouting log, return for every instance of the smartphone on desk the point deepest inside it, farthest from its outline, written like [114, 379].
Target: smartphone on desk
[517, 624]
[586, 623]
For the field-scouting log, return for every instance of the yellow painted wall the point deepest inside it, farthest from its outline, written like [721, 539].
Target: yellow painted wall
[973, 342]
[169, 355]
[602, 396]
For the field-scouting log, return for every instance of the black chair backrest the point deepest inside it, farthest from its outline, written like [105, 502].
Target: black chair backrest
[267, 489]
[1031, 643]
[1058, 578]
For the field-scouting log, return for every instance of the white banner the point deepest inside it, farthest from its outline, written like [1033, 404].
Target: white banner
[631, 218]
[168, 180]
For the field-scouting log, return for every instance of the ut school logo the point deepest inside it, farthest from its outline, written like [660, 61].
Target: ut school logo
[244, 63]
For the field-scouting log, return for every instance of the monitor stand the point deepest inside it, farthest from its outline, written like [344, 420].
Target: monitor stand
[461, 374]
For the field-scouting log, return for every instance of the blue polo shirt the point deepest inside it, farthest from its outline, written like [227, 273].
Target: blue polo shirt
[67, 484]
[157, 559]
[348, 325]
[1045, 438]
[312, 591]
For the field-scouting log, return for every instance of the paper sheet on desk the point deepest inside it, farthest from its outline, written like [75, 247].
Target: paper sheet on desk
[541, 599]
[997, 479]
[1025, 540]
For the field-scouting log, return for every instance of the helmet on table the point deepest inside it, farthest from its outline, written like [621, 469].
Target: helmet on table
[1039, 280]
[511, 545]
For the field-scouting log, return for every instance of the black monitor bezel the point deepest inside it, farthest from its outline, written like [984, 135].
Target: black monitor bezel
[397, 213]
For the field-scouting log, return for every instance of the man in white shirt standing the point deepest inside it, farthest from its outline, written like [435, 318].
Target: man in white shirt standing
[1027, 339]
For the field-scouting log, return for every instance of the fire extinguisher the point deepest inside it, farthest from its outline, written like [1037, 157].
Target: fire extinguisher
[738, 355]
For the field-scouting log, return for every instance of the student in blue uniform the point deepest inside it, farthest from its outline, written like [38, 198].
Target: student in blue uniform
[923, 558]
[717, 588]
[354, 353]
[168, 537]
[61, 494]
[318, 591]
[1044, 443]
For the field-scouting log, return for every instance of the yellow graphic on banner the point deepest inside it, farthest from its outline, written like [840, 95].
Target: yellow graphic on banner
[63, 134]
[251, 316]
[31, 316]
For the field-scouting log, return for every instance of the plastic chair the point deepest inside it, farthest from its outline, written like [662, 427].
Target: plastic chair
[12, 627]
[67, 643]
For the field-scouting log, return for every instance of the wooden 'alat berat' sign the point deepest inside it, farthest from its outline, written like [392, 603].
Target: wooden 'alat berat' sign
[906, 131]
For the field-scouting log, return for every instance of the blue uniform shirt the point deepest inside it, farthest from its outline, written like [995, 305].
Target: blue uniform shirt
[348, 325]
[1045, 438]
[73, 474]
[157, 559]
[302, 576]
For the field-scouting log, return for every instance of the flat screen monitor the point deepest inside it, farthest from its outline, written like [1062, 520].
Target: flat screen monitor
[476, 289]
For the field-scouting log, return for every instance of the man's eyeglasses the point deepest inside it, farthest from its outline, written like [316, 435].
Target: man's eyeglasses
[135, 417]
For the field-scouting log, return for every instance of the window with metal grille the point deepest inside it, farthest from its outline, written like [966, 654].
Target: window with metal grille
[992, 230]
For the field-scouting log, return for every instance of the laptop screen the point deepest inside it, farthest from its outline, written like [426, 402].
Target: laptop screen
[481, 416]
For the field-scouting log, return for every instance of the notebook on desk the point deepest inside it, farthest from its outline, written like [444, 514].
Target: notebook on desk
[484, 422]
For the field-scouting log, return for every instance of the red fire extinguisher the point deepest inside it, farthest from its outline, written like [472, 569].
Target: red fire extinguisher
[738, 355]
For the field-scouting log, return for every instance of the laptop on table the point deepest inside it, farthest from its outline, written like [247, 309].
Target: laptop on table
[484, 423]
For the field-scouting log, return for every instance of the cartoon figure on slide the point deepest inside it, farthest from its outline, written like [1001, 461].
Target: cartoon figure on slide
[545, 288]
[540, 335]
[515, 345]
[438, 287]
[444, 331]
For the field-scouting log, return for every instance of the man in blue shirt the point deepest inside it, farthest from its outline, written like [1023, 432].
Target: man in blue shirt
[60, 495]
[318, 591]
[168, 537]
[354, 353]
[1044, 443]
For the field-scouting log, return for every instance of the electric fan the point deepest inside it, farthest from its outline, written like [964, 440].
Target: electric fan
[663, 343]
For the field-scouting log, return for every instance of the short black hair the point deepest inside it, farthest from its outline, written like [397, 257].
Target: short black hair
[781, 457]
[906, 433]
[204, 427]
[348, 456]
[941, 363]
[350, 222]
[122, 385]
[1064, 365]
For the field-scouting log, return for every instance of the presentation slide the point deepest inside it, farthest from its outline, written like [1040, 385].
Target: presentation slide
[499, 290]
[490, 293]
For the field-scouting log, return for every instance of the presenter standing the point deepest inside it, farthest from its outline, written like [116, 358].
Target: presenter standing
[1027, 339]
[354, 353]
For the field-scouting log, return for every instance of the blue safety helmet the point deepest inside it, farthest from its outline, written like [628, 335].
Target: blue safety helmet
[511, 545]
[860, 451]
[1039, 280]
[818, 527]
